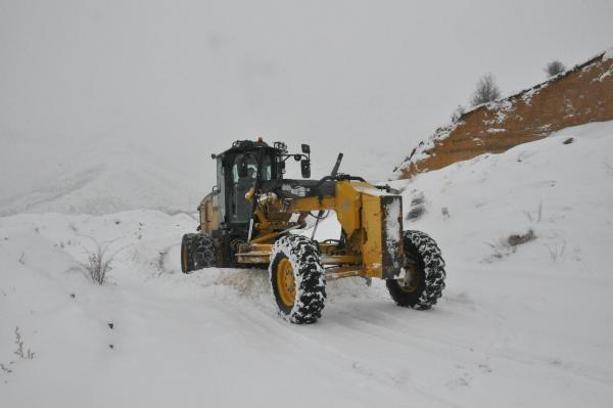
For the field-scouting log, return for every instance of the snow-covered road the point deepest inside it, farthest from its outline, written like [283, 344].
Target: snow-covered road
[530, 325]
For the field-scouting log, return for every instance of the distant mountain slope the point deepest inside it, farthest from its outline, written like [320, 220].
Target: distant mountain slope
[97, 182]
[581, 95]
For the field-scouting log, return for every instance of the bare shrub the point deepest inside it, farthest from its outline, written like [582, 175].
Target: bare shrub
[487, 90]
[99, 259]
[457, 114]
[21, 351]
[554, 68]
[556, 251]
[98, 264]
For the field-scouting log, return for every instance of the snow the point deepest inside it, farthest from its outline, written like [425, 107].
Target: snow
[502, 108]
[605, 57]
[100, 180]
[529, 94]
[392, 225]
[530, 325]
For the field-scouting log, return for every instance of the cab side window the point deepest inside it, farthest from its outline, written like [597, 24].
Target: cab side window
[244, 174]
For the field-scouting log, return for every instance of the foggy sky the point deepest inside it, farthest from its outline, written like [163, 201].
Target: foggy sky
[183, 79]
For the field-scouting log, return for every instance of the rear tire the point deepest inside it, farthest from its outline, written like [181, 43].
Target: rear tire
[425, 269]
[297, 279]
[197, 252]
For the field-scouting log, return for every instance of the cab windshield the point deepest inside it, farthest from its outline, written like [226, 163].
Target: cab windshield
[249, 164]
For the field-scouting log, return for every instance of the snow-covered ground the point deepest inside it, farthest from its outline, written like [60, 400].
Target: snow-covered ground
[525, 325]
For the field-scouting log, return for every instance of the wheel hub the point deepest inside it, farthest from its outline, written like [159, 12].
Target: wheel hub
[410, 281]
[286, 282]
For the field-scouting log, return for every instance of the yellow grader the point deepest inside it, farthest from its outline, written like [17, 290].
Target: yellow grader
[254, 217]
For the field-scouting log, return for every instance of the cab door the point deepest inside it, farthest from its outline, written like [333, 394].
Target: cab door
[243, 177]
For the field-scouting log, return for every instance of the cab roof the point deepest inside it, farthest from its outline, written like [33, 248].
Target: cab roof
[242, 146]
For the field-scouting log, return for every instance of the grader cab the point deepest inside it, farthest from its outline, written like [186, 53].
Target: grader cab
[254, 217]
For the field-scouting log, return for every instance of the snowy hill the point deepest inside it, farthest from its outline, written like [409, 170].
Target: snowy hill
[526, 319]
[99, 180]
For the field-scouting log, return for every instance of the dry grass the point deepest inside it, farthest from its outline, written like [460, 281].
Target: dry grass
[21, 351]
[508, 245]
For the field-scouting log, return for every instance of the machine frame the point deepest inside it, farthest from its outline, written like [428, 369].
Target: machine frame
[370, 216]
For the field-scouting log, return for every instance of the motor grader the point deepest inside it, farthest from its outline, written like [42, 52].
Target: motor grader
[254, 217]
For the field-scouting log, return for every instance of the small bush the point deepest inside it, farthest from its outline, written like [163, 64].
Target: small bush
[554, 68]
[457, 114]
[487, 90]
[98, 264]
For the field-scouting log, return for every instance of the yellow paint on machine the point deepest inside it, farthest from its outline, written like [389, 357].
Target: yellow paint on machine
[358, 207]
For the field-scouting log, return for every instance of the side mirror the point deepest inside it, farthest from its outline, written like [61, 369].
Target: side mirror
[305, 167]
[306, 149]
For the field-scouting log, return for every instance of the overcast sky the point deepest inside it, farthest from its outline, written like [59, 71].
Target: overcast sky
[183, 79]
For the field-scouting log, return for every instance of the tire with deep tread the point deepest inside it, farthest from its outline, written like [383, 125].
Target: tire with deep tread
[430, 269]
[197, 252]
[310, 285]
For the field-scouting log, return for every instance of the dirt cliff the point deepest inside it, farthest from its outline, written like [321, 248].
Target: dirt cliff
[580, 95]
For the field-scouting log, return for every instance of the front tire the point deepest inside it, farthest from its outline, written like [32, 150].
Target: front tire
[425, 274]
[297, 279]
[197, 252]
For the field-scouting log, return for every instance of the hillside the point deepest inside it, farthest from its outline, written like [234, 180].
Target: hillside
[520, 324]
[98, 180]
[580, 95]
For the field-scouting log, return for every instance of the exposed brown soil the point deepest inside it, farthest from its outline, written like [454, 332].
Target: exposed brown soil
[581, 95]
